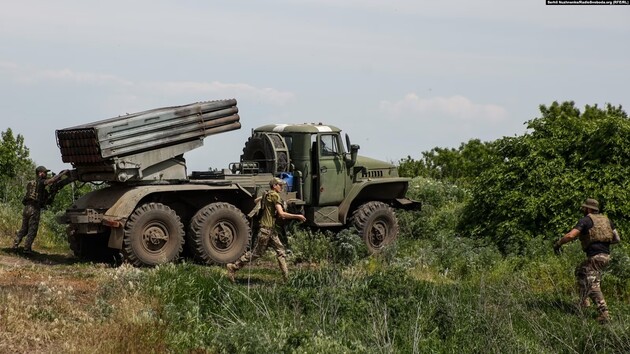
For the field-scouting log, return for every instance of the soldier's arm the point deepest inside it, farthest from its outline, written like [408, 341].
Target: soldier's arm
[568, 237]
[284, 215]
[57, 177]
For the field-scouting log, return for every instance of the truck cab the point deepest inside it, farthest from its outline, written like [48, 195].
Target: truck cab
[328, 178]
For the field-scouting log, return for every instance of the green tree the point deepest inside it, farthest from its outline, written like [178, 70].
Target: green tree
[452, 165]
[536, 187]
[16, 167]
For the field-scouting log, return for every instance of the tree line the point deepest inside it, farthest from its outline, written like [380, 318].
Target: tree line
[530, 187]
[519, 188]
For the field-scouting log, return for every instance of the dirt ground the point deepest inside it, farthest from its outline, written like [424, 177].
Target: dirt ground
[20, 270]
[42, 297]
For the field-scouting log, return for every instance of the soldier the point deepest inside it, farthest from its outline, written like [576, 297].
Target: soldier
[36, 198]
[271, 209]
[596, 232]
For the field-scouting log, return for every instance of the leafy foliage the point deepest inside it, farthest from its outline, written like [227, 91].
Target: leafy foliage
[16, 167]
[545, 175]
[459, 165]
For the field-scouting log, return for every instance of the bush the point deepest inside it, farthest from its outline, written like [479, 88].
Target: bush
[543, 176]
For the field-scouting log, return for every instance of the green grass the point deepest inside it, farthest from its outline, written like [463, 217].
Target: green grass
[431, 292]
[382, 308]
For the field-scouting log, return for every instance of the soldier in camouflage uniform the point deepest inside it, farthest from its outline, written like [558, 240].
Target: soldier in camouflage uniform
[34, 200]
[271, 208]
[596, 233]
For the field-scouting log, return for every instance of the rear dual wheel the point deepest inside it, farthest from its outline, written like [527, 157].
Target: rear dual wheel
[153, 235]
[219, 233]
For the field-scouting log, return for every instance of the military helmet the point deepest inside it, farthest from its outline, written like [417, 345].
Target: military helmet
[41, 169]
[591, 203]
[275, 181]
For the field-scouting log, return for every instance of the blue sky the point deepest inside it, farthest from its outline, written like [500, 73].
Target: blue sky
[400, 77]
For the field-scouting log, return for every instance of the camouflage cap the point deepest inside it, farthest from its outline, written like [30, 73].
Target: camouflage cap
[275, 181]
[41, 169]
[591, 203]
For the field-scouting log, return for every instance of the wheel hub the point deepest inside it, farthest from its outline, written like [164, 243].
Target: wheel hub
[155, 235]
[223, 235]
[378, 233]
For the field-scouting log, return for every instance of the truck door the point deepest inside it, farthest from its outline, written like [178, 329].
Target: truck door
[331, 174]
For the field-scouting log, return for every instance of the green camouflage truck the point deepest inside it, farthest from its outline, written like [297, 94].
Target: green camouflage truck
[152, 210]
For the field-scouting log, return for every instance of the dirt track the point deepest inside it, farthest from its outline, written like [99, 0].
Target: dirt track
[19, 272]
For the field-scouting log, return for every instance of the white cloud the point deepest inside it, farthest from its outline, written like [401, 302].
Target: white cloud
[120, 87]
[454, 107]
[67, 75]
[215, 88]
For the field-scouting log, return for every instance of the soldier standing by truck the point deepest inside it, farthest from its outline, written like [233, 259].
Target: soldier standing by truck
[271, 209]
[36, 198]
[596, 233]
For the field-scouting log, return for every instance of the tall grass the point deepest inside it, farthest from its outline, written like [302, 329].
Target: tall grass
[513, 308]
[51, 235]
[432, 292]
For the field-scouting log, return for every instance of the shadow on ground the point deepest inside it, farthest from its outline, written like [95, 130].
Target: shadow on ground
[51, 258]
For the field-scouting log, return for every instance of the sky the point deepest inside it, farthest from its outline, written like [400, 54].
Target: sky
[398, 76]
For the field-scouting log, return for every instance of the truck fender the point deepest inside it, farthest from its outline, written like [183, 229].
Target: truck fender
[116, 216]
[387, 190]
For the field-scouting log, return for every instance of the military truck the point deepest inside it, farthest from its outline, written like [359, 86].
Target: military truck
[152, 211]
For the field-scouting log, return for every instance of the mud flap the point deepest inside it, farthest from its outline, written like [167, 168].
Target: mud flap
[116, 238]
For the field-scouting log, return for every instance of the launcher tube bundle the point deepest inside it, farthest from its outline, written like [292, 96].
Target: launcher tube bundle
[147, 145]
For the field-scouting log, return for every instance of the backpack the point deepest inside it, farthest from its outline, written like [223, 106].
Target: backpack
[256, 213]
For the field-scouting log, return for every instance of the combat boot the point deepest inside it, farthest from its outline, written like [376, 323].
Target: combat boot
[282, 262]
[231, 272]
[16, 242]
[604, 317]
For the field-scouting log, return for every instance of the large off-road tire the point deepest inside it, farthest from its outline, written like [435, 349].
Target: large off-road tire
[377, 225]
[256, 149]
[219, 233]
[91, 247]
[270, 151]
[153, 235]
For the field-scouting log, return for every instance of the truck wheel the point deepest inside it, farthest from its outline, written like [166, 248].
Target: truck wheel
[220, 233]
[377, 225]
[153, 235]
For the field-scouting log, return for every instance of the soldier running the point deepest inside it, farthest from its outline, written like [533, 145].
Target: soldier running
[271, 205]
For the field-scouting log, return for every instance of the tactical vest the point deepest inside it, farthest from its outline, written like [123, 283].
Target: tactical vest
[35, 193]
[31, 193]
[600, 232]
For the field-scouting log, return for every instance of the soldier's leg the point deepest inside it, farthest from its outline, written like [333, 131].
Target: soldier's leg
[280, 255]
[33, 226]
[598, 264]
[260, 248]
[27, 212]
[581, 272]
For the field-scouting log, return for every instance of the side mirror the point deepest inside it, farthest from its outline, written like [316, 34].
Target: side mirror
[353, 149]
